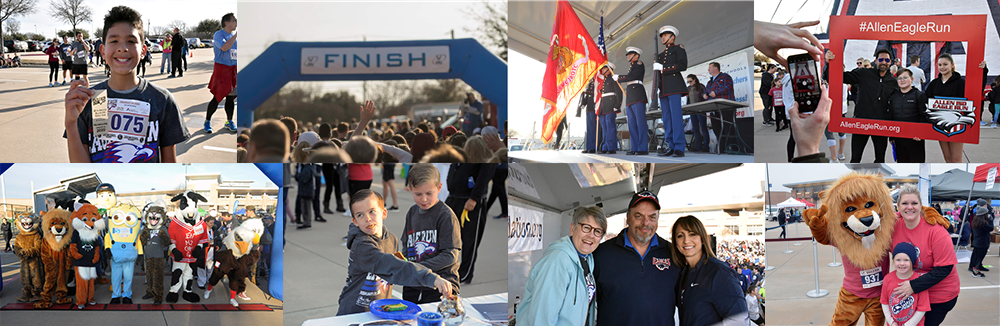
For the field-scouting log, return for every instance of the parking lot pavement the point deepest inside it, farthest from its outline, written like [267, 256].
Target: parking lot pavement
[31, 113]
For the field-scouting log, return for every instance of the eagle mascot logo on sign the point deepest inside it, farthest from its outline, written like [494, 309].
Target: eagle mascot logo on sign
[858, 217]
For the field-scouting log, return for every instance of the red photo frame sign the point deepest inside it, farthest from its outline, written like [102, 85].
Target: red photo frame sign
[965, 28]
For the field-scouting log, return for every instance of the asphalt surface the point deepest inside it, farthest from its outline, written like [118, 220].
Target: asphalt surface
[31, 112]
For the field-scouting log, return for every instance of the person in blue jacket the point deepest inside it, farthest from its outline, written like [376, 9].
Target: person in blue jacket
[560, 289]
[709, 291]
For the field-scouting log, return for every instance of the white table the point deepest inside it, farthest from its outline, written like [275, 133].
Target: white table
[476, 320]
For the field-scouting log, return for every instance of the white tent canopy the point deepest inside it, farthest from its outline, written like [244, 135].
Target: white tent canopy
[791, 202]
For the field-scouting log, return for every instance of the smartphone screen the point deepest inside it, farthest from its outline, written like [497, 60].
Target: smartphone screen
[805, 81]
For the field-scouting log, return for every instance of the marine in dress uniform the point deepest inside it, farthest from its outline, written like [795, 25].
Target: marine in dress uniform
[673, 60]
[587, 101]
[635, 103]
[611, 104]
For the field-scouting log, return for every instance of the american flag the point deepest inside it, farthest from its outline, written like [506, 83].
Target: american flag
[599, 78]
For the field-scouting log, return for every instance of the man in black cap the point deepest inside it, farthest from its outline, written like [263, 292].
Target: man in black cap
[635, 103]
[874, 87]
[673, 60]
[611, 105]
[638, 291]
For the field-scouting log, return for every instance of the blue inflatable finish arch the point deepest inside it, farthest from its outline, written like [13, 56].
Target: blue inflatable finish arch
[282, 63]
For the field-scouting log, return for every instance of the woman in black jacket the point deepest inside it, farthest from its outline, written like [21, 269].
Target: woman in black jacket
[709, 291]
[907, 104]
[949, 83]
[982, 224]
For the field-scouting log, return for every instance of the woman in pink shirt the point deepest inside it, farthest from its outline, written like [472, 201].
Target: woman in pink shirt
[935, 259]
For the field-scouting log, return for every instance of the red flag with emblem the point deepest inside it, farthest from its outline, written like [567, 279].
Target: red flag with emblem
[572, 61]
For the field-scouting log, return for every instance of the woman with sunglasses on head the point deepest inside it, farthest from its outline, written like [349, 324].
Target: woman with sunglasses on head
[950, 83]
[709, 291]
[560, 289]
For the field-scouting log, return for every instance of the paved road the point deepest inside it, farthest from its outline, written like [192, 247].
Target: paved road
[770, 146]
[31, 113]
[316, 258]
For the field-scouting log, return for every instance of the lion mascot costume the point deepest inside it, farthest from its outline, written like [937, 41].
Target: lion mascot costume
[58, 228]
[27, 246]
[858, 217]
[187, 240]
[85, 247]
[154, 240]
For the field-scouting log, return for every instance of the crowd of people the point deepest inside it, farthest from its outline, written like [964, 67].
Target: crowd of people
[746, 257]
[367, 141]
[882, 89]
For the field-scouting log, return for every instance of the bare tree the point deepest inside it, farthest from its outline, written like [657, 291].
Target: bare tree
[13, 8]
[493, 26]
[72, 12]
[13, 26]
[178, 24]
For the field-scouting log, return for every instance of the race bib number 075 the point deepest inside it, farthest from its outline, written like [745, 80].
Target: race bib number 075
[127, 121]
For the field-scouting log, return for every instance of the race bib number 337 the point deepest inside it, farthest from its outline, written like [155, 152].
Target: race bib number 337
[127, 121]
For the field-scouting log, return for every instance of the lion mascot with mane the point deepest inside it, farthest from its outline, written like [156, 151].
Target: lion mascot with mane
[27, 247]
[858, 217]
[58, 229]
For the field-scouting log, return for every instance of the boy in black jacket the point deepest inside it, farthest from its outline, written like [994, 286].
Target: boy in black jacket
[375, 261]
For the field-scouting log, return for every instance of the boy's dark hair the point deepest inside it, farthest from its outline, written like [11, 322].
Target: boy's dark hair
[363, 194]
[325, 132]
[914, 58]
[123, 14]
[343, 127]
[227, 18]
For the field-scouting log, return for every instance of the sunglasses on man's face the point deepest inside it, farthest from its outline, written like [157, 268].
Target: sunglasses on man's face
[884, 60]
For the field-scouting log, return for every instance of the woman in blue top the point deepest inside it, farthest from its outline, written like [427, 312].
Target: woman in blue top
[709, 291]
[223, 82]
[560, 290]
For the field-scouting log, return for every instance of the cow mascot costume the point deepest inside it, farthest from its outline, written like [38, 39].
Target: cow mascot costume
[154, 238]
[858, 217]
[187, 239]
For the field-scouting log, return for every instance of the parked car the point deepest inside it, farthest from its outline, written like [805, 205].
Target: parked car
[153, 47]
[206, 42]
[194, 43]
[34, 46]
[15, 46]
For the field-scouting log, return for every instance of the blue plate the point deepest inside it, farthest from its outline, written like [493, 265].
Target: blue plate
[410, 313]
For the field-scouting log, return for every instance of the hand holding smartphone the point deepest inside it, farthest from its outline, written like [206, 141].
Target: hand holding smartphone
[804, 73]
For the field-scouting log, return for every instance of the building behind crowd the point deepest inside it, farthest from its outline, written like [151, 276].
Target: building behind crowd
[225, 196]
[809, 190]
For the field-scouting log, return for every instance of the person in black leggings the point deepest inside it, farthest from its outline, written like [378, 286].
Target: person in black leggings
[53, 52]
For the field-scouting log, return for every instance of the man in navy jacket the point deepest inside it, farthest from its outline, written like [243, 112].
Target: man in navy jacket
[633, 291]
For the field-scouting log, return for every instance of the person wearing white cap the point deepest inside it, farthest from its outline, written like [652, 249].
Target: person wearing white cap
[635, 103]
[611, 104]
[673, 60]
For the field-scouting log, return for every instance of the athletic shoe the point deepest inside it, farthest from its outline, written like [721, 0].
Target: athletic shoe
[841, 157]
[64, 83]
[341, 209]
[208, 126]
[327, 211]
[207, 293]
[116, 301]
[984, 269]
[243, 296]
[993, 126]
[300, 227]
[393, 208]
[834, 161]
[79, 306]
[51, 85]
[347, 213]
[231, 126]
[127, 300]
[234, 303]
[977, 274]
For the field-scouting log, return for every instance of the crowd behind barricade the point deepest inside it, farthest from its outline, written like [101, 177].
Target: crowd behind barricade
[366, 141]
[746, 257]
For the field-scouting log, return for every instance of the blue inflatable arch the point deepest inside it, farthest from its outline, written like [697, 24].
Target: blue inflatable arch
[282, 62]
